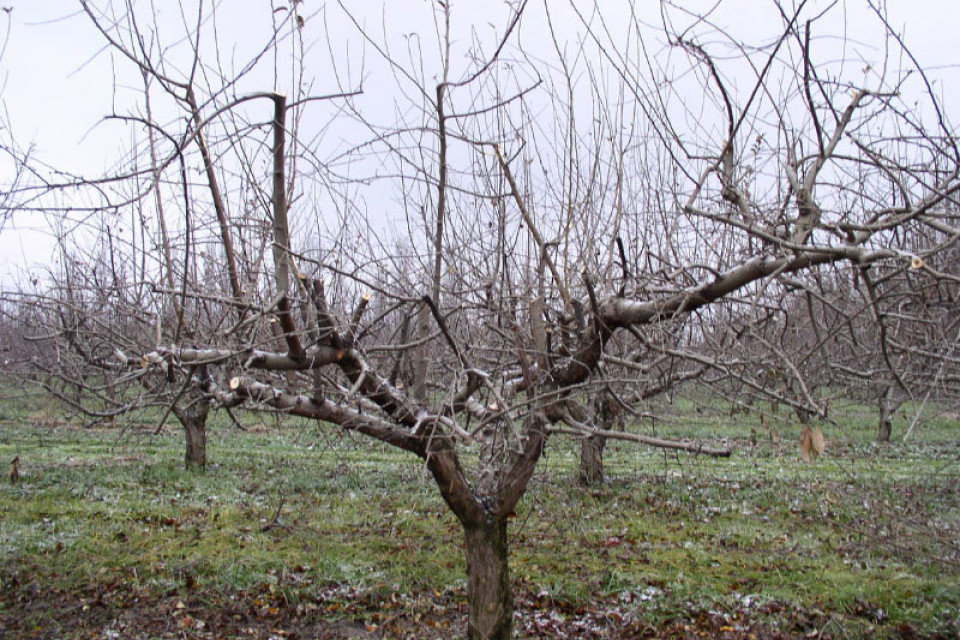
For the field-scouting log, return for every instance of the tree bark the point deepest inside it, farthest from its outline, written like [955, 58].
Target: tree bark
[196, 435]
[607, 416]
[591, 460]
[488, 581]
[888, 406]
[192, 414]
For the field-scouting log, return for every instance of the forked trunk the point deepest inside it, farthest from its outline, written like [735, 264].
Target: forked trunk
[488, 582]
[192, 413]
[591, 460]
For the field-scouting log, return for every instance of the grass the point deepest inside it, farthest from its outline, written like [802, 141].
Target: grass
[308, 522]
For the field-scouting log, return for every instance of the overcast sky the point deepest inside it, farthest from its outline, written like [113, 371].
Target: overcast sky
[58, 81]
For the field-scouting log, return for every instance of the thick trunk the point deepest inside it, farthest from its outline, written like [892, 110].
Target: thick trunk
[591, 460]
[196, 435]
[488, 582]
[192, 413]
[484, 520]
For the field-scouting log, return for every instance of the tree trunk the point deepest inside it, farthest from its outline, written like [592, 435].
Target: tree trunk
[488, 582]
[607, 417]
[591, 460]
[196, 434]
[888, 406]
[192, 414]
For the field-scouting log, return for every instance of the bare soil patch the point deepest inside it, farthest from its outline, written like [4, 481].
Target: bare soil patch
[114, 611]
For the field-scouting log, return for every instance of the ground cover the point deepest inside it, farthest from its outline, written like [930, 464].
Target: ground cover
[298, 532]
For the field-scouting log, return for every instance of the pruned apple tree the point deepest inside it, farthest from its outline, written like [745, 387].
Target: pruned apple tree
[485, 239]
[171, 242]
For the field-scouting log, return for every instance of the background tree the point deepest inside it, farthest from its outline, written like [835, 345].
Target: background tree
[885, 334]
[173, 244]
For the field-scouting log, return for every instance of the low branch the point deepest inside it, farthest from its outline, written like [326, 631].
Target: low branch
[648, 440]
[325, 410]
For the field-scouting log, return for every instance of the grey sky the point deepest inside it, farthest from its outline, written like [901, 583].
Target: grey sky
[58, 82]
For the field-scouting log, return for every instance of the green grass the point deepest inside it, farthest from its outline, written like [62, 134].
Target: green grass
[854, 544]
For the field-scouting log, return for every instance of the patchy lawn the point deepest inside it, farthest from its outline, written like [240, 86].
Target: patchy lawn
[299, 532]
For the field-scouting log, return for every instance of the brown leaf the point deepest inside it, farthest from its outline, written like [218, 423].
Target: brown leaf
[806, 444]
[812, 443]
[818, 442]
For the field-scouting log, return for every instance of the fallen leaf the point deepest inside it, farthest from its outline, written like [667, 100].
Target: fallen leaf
[819, 444]
[812, 443]
[806, 444]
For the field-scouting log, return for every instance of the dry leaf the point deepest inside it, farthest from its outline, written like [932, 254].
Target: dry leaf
[818, 442]
[812, 443]
[806, 444]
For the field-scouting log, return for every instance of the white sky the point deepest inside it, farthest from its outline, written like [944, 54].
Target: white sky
[57, 83]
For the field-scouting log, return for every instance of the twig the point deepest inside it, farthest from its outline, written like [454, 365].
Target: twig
[275, 521]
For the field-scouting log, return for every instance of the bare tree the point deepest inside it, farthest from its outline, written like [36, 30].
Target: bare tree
[552, 249]
[174, 245]
[884, 334]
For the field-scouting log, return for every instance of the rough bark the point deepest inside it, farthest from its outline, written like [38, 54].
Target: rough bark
[488, 581]
[888, 406]
[196, 436]
[192, 412]
[607, 417]
[484, 521]
[591, 460]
